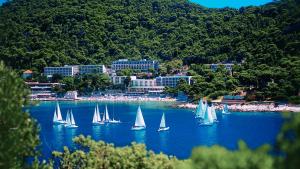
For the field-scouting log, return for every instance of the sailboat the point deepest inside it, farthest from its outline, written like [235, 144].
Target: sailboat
[199, 110]
[70, 120]
[208, 119]
[213, 113]
[162, 126]
[106, 116]
[139, 121]
[96, 118]
[225, 109]
[57, 118]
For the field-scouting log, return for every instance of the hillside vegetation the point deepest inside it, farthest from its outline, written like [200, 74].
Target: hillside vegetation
[38, 33]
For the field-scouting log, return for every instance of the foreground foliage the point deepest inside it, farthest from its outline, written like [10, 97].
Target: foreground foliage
[18, 132]
[102, 155]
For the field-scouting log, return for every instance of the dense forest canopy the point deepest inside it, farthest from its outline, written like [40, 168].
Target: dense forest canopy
[265, 39]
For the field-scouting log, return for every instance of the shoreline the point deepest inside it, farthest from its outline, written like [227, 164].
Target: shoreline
[247, 107]
[112, 99]
[250, 107]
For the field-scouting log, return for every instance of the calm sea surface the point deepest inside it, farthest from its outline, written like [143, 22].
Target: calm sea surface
[184, 134]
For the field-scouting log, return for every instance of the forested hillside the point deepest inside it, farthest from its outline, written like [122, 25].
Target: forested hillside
[38, 33]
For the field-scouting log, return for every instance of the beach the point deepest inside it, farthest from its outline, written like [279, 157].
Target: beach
[112, 98]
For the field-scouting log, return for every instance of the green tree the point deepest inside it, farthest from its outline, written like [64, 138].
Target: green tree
[18, 132]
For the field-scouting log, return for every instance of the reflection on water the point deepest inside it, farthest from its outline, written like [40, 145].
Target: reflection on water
[96, 132]
[70, 134]
[163, 139]
[58, 135]
[208, 134]
[139, 136]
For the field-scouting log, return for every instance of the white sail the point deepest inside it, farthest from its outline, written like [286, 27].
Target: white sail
[98, 116]
[95, 116]
[59, 117]
[72, 119]
[139, 120]
[106, 114]
[162, 121]
[55, 116]
[213, 113]
[68, 120]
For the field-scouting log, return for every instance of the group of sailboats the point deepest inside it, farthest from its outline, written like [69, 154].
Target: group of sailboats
[97, 120]
[207, 114]
[140, 123]
[57, 118]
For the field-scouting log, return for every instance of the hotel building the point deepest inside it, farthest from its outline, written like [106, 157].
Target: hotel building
[88, 69]
[171, 81]
[64, 71]
[72, 70]
[144, 86]
[119, 80]
[141, 65]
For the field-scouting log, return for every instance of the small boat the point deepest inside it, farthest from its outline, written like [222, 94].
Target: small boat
[57, 118]
[139, 121]
[162, 126]
[225, 109]
[96, 118]
[70, 120]
[214, 114]
[114, 121]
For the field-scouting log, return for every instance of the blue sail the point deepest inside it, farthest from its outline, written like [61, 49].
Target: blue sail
[208, 119]
[199, 109]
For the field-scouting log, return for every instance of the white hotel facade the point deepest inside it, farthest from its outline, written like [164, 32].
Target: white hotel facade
[72, 70]
[140, 65]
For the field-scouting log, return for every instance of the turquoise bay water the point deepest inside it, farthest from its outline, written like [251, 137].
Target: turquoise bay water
[229, 3]
[184, 134]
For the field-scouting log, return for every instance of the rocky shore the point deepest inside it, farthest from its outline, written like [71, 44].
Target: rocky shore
[249, 107]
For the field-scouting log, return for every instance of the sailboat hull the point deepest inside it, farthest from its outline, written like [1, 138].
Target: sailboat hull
[114, 121]
[206, 124]
[163, 129]
[138, 128]
[98, 123]
[59, 122]
[71, 126]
